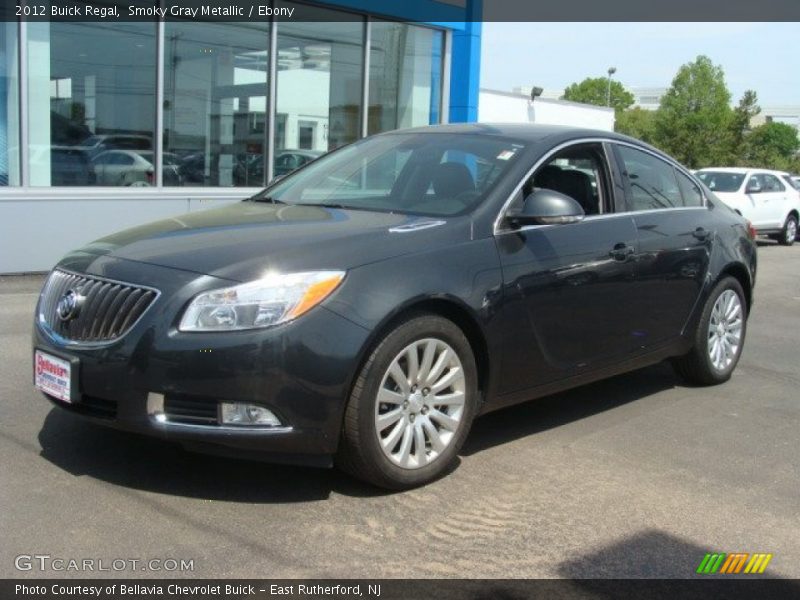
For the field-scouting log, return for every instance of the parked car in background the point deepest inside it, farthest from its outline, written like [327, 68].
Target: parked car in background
[761, 196]
[792, 180]
[365, 309]
[123, 167]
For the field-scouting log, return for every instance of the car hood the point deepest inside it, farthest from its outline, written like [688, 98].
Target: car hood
[242, 241]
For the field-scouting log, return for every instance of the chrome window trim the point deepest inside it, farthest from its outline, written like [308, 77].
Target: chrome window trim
[498, 229]
[41, 321]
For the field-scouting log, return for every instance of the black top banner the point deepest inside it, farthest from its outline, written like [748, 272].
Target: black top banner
[406, 10]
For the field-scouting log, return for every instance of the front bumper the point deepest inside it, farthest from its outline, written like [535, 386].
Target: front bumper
[301, 371]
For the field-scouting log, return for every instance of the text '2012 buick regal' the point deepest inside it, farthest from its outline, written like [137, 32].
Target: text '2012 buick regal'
[365, 309]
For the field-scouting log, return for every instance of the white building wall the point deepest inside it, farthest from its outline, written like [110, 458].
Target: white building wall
[504, 107]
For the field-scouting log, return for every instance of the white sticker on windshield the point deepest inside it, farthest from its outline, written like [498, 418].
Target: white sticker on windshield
[506, 154]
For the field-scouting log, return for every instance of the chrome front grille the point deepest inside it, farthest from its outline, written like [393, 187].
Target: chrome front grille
[107, 309]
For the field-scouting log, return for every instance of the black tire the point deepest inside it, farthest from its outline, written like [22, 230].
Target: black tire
[360, 453]
[785, 239]
[696, 366]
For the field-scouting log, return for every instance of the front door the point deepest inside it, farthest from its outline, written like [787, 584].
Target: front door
[568, 286]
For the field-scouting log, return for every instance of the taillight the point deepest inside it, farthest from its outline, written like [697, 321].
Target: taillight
[149, 175]
[751, 231]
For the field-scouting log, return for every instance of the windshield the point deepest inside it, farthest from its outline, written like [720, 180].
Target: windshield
[435, 174]
[718, 181]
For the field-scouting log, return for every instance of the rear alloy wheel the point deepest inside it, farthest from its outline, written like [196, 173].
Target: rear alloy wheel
[719, 337]
[789, 232]
[412, 405]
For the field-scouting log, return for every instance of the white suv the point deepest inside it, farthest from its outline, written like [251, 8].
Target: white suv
[761, 196]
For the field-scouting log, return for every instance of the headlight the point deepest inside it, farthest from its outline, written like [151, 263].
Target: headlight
[269, 301]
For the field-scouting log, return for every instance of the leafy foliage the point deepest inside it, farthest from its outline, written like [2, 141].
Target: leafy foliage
[638, 123]
[594, 90]
[772, 145]
[695, 122]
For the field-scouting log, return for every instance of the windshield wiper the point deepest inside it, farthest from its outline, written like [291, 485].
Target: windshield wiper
[258, 198]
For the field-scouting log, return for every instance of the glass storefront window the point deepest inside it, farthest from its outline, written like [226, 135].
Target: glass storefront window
[92, 103]
[9, 105]
[405, 76]
[319, 84]
[215, 103]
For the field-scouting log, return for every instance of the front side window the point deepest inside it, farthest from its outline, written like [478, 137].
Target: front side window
[92, 88]
[434, 174]
[650, 182]
[578, 172]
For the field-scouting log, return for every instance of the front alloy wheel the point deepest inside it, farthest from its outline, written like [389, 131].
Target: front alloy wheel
[411, 406]
[420, 403]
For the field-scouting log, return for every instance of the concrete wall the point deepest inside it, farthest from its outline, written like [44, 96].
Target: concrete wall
[507, 107]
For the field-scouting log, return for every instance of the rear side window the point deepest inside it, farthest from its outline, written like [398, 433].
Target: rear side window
[772, 183]
[650, 182]
[692, 196]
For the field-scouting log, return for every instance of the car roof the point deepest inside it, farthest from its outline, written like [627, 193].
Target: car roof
[742, 170]
[531, 133]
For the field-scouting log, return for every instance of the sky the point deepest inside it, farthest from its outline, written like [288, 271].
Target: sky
[760, 56]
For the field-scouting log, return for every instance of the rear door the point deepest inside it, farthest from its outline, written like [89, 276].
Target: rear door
[776, 206]
[675, 235]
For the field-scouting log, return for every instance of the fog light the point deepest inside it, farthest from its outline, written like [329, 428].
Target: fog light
[241, 413]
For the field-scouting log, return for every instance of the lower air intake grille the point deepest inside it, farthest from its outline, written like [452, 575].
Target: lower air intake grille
[193, 410]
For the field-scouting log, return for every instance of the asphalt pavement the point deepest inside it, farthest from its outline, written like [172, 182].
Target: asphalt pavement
[636, 476]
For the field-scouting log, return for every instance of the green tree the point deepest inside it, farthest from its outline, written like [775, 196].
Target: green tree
[594, 90]
[772, 146]
[740, 125]
[638, 123]
[694, 119]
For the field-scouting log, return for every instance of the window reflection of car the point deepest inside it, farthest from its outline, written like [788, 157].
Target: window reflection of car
[67, 165]
[123, 167]
[95, 144]
[192, 168]
[287, 161]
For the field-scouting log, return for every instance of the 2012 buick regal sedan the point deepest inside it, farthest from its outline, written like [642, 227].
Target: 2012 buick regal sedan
[363, 310]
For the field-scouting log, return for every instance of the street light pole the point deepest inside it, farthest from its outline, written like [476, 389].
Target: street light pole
[611, 71]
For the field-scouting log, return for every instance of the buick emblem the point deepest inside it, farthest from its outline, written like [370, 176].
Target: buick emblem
[69, 305]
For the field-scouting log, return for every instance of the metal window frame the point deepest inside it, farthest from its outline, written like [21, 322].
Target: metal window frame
[22, 109]
[447, 63]
[365, 67]
[158, 142]
[271, 116]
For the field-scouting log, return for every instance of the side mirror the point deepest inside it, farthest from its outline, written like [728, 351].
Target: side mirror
[753, 187]
[547, 207]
